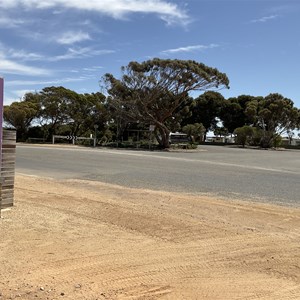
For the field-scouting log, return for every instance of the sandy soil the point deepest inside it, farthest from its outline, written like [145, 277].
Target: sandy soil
[87, 240]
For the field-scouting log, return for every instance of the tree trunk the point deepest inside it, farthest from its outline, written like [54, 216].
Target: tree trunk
[267, 140]
[204, 135]
[163, 137]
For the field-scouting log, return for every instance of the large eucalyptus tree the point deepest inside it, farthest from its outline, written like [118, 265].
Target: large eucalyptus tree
[154, 90]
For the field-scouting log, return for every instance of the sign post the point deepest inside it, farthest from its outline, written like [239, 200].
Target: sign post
[151, 129]
[1, 134]
[1, 112]
[95, 138]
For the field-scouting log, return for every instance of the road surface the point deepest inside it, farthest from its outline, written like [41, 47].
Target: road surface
[259, 175]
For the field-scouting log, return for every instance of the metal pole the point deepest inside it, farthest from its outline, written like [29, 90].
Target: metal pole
[117, 133]
[95, 139]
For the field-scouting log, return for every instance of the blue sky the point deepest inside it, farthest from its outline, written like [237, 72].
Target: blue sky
[74, 42]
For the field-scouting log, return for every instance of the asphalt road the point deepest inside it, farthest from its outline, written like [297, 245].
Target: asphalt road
[267, 176]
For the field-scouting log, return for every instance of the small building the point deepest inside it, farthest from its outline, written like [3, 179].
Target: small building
[220, 139]
[286, 141]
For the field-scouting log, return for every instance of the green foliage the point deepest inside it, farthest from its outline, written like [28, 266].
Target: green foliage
[154, 90]
[277, 141]
[85, 111]
[244, 135]
[58, 111]
[271, 116]
[221, 131]
[252, 136]
[195, 131]
[54, 108]
[233, 112]
[186, 146]
[257, 136]
[20, 116]
[274, 115]
[80, 112]
[107, 136]
[206, 110]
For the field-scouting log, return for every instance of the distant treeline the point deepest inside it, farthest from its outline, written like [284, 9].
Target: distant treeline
[155, 92]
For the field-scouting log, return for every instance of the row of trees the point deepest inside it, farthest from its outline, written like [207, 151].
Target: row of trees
[155, 92]
[56, 110]
[261, 119]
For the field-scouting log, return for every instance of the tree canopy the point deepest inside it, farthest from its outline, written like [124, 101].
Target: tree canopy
[206, 110]
[153, 90]
[21, 114]
[57, 110]
[274, 115]
[156, 92]
[233, 112]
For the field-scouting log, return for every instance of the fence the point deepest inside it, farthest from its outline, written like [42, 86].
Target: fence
[8, 169]
[72, 138]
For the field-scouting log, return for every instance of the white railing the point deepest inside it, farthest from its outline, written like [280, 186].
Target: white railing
[72, 138]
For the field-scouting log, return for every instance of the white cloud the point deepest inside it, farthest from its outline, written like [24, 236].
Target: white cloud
[74, 53]
[264, 19]
[285, 8]
[10, 55]
[25, 56]
[190, 49]
[8, 3]
[170, 12]
[46, 82]
[8, 66]
[92, 69]
[6, 22]
[72, 37]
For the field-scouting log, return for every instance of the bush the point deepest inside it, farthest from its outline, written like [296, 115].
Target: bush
[277, 141]
[188, 146]
[244, 135]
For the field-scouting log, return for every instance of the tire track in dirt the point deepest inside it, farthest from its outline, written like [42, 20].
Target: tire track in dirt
[94, 241]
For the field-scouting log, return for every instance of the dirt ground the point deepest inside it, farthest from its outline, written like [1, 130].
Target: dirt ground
[88, 240]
